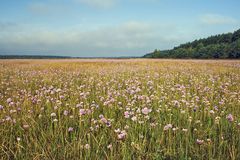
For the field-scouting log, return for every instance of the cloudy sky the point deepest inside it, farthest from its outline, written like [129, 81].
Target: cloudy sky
[89, 28]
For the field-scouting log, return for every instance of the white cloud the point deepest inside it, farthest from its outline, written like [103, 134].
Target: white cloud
[130, 38]
[215, 19]
[99, 3]
[42, 8]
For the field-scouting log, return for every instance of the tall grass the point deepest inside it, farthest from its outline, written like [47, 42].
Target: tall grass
[135, 109]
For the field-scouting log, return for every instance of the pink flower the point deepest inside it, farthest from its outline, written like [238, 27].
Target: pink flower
[70, 129]
[199, 141]
[82, 112]
[65, 113]
[104, 120]
[126, 114]
[146, 110]
[211, 112]
[122, 135]
[230, 118]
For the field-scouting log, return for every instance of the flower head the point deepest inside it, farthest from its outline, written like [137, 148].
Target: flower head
[230, 118]
[146, 110]
[126, 114]
[199, 141]
[53, 115]
[167, 127]
[9, 100]
[70, 129]
[82, 112]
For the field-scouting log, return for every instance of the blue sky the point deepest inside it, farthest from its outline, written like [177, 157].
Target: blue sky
[89, 28]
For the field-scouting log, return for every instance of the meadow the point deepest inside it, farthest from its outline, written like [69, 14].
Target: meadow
[119, 109]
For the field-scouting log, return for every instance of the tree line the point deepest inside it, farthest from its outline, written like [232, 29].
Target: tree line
[223, 46]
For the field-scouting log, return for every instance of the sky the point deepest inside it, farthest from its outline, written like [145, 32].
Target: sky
[110, 28]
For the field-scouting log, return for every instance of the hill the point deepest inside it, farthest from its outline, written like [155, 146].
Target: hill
[223, 46]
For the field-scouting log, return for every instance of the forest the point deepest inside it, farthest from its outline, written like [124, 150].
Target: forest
[223, 46]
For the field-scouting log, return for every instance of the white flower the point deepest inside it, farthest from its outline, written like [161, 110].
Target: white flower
[53, 115]
[146, 110]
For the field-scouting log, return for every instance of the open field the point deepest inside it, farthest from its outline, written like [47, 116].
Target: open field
[119, 109]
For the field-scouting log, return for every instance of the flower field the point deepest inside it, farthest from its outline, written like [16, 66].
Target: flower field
[119, 109]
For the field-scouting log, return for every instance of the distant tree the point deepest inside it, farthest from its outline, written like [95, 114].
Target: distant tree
[219, 46]
[236, 35]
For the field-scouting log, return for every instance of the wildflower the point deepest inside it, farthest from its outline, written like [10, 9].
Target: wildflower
[217, 119]
[126, 127]
[26, 126]
[238, 125]
[1, 107]
[167, 127]
[65, 113]
[184, 130]
[183, 111]
[58, 90]
[55, 120]
[153, 124]
[109, 146]
[87, 146]
[11, 104]
[70, 129]
[82, 112]
[100, 116]
[230, 118]
[104, 120]
[9, 100]
[146, 110]
[39, 116]
[117, 130]
[194, 109]
[53, 115]
[211, 111]
[126, 114]
[8, 118]
[141, 136]
[199, 141]
[190, 119]
[78, 105]
[108, 124]
[174, 129]
[134, 118]
[122, 135]
[18, 139]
